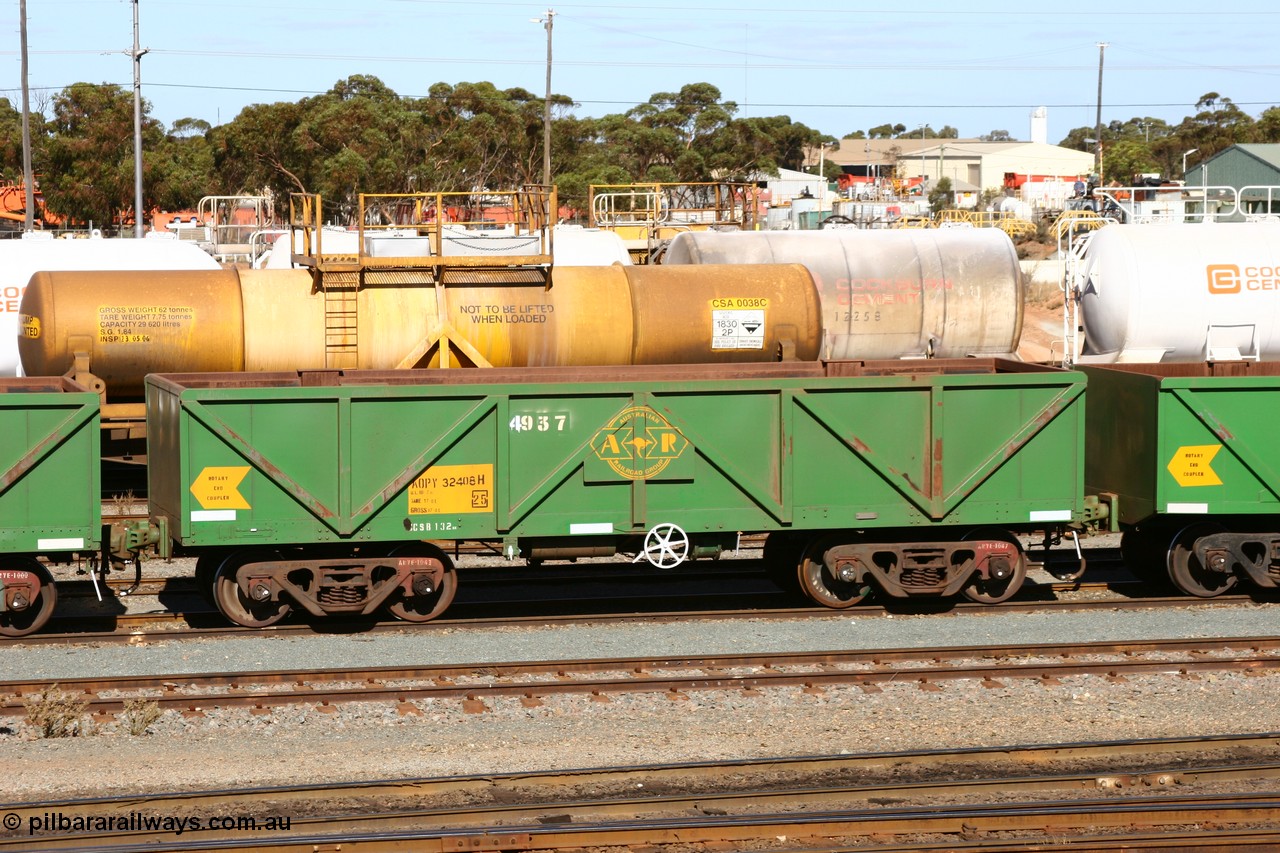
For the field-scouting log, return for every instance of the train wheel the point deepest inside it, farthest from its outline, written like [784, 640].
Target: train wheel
[1185, 569]
[19, 623]
[823, 587]
[424, 608]
[993, 590]
[234, 604]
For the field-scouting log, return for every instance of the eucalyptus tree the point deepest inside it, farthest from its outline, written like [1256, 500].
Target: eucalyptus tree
[1267, 128]
[768, 144]
[257, 152]
[11, 139]
[582, 157]
[88, 163]
[352, 138]
[677, 130]
[1217, 124]
[1124, 160]
[184, 166]
[496, 140]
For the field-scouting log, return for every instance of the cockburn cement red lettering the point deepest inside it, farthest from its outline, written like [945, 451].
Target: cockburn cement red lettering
[10, 297]
[886, 291]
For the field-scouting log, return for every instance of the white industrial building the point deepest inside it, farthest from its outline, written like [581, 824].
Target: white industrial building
[970, 163]
[789, 184]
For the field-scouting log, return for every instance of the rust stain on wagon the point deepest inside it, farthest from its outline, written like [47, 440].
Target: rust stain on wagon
[277, 475]
[935, 485]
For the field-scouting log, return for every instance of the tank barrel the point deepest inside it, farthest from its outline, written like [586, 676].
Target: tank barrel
[121, 325]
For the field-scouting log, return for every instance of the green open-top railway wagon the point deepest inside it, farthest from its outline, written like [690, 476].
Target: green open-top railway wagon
[1188, 456]
[49, 492]
[334, 492]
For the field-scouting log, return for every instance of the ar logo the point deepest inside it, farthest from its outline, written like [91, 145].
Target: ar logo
[638, 443]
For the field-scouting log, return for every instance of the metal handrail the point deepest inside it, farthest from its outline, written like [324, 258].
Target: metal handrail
[698, 203]
[1181, 203]
[527, 211]
[609, 209]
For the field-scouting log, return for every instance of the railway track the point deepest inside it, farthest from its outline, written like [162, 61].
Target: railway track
[183, 585]
[172, 607]
[1149, 794]
[531, 682]
[1210, 824]
[204, 623]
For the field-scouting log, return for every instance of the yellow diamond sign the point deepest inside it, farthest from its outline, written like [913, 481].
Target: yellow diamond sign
[1190, 465]
[218, 487]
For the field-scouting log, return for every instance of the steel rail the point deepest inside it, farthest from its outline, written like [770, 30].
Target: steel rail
[527, 681]
[184, 585]
[551, 784]
[534, 813]
[134, 630]
[1048, 822]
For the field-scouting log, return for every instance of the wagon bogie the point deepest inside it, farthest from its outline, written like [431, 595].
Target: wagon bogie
[259, 587]
[1204, 557]
[1198, 567]
[243, 595]
[986, 566]
[27, 596]
[1251, 554]
[426, 582]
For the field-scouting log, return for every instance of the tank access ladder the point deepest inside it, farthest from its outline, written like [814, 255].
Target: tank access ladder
[420, 240]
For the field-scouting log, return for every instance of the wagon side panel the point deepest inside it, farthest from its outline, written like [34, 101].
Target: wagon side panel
[961, 450]
[1121, 441]
[50, 467]
[1217, 452]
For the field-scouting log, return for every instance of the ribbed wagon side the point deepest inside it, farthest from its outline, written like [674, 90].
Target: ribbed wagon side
[1189, 454]
[50, 492]
[327, 490]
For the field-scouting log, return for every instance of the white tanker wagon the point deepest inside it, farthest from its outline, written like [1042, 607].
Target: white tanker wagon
[1180, 293]
[907, 293]
[22, 258]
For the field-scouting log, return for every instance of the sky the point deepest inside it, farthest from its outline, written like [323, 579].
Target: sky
[836, 67]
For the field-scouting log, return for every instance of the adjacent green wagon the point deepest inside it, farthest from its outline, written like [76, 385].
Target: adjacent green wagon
[50, 492]
[326, 490]
[1187, 454]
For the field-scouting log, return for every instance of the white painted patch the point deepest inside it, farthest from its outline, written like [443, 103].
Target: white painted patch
[1198, 509]
[213, 515]
[68, 544]
[588, 529]
[1051, 515]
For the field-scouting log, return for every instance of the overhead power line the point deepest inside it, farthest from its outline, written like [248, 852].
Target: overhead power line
[753, 105]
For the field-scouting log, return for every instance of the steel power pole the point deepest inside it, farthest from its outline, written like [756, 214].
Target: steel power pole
[1097, 130]
[139, 215]
[28, 177]
[546, 107]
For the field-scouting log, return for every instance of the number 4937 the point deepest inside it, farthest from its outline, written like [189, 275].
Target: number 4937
[539, 423]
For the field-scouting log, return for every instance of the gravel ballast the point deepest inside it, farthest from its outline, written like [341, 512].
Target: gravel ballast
[298, 745]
